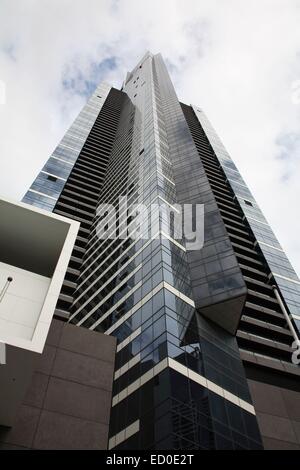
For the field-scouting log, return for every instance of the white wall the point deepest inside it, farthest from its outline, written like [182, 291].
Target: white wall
[22, 303]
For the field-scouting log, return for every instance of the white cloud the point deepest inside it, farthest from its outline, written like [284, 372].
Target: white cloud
[238, 60]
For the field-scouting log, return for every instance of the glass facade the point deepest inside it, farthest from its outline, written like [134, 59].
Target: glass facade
[180, 317]
[281, 270]
[47, 187]
[141, 292]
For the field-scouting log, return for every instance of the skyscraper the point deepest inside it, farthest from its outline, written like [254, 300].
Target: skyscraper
[204, 336]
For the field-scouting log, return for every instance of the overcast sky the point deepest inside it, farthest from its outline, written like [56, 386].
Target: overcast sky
[238, 60]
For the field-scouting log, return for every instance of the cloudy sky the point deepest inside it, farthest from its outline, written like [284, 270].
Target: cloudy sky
[238, 60]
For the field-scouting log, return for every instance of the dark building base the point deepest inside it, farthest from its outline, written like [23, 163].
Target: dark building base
[67, 405]
[277, 404]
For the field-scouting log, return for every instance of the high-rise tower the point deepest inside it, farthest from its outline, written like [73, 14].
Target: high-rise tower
[204, 335]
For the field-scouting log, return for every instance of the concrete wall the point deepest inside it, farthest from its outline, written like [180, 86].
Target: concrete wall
[67, 405]
[278, 415]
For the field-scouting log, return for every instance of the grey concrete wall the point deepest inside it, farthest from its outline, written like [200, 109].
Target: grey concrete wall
[67, 405]
[278, 415]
